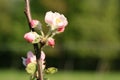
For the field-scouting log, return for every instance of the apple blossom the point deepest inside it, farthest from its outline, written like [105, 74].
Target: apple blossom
[56, 21]
[31, 58]
[32, 37]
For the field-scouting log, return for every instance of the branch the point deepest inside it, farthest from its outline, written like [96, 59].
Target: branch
[36, 47]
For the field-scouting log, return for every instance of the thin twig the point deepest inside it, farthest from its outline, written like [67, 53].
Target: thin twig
[28, 13]
[36, 46]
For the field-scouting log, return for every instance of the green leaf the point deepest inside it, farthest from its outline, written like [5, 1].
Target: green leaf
[51, 70]
[31, 68]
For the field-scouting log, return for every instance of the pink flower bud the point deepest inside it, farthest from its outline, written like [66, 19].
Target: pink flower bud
[32, 37]
[56, 21]
[34, 23]
[51, 42]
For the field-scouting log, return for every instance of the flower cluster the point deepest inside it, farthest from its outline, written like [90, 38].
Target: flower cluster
[56, 22]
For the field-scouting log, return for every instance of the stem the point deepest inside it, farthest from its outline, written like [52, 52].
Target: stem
[39, 62]
[36, 47]
[42, 33]
[28, 13]
[48, 34]
[53, 34]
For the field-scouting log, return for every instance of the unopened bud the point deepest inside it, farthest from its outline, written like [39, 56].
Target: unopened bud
[51, 42]
[35, 24]
[32, 37]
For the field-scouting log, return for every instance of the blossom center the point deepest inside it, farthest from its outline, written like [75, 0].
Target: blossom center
[58, 21]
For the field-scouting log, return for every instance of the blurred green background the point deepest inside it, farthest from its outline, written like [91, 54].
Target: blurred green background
[90, 42]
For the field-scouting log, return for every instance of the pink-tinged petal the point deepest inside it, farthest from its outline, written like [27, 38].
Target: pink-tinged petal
[31, 57]
[49, 17]
[61, 29]
[42, 59]
[64, 19]
[24, 61]
[42, 55]
[63, 22]
[28, 61]
[30, 54]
